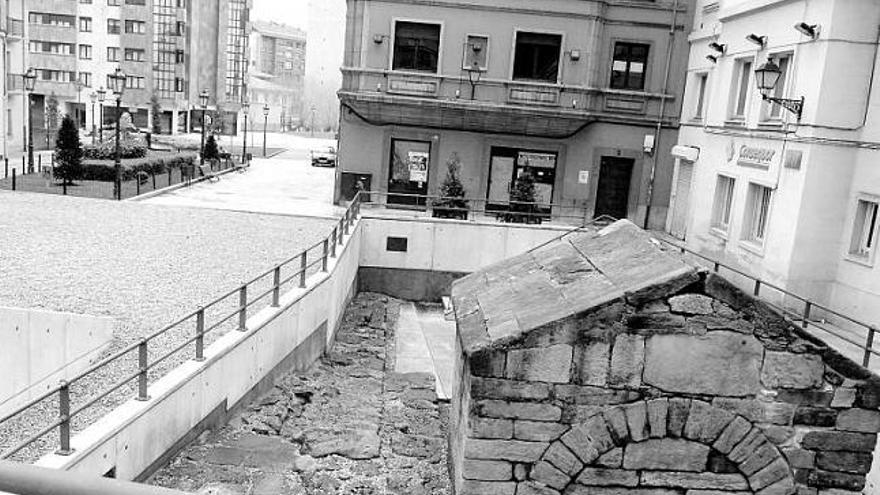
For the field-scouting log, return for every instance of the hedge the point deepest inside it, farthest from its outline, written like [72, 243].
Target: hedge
[155, 163]
[106, 150]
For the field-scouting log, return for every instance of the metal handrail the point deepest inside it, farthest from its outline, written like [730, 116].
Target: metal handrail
[803, 318]
[22, 479]
[141, 347]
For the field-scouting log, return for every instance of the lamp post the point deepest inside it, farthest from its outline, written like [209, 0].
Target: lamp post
[245, 108]
[93, 96]
[203, 102]
[29, 79]
[766, 77]
[265, 122]
[118, 81]
[101, 93]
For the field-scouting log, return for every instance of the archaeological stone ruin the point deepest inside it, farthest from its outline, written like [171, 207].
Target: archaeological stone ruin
[602, 364]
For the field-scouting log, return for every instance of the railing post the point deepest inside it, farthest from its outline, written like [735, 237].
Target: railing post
[13, 179]
[325, 255]
[64, 416]
[142, 366]
[716, 266]
[347, 221]
[869, 345]
[303, 266]
[276, 288]
[200, 334]
[757, 287]
[333, 243]
[6, 167]
[242, 308]
[807, 307]
[339, 229]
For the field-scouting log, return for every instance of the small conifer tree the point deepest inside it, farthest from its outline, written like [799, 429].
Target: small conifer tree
[68, 152]
[452, 191]
[522, 196]
[211, 151]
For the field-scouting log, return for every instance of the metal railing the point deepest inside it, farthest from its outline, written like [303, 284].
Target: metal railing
[294, 270]
[799, 316]
[20, 479]
[473, 209]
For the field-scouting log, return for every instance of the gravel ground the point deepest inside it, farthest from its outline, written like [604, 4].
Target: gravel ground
[145, 265]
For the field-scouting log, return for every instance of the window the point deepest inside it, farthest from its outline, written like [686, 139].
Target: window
[135, 27]
[114, 3]
[723, 202]
[134, 55]
[86, 79]
[702, 79]
[51, 47]
[536, 57]
[179, 56]
[135, 2]
[85, 24]
[743, 76]
[181, 28]
[53, 75]
[57, 20]
[113, 26]
[134, 82]
[757, 213]
[864, 234]
[628, 65]
[179, 84]
[772, 111]
[416, 46]
[181, 4]
[85, 52]
[85, 1]
[113, 54]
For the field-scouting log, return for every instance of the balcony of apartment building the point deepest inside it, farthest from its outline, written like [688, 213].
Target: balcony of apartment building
[535, 99]
[14, 28]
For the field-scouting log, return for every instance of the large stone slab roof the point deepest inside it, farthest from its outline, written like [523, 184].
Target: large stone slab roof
[575, 274]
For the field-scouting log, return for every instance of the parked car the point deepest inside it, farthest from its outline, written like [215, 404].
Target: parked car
[325, 157]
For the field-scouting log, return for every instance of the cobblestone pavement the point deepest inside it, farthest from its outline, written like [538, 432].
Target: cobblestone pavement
[347, 426]
[143, 265]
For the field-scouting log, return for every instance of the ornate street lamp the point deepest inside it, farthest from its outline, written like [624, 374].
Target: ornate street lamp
[117, 79]
[29, 79]
[245, 108]
[93, 96]
[766, 77]
[203, 102]
[265, 123]
[101, 93]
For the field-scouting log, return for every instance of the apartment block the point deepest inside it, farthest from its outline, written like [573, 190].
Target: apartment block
[791, 198]
[277, 74]
[582, 92]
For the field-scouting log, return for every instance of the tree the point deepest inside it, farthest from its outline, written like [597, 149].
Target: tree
[68, 152]
[522, 198]
[156, 110]
[52, 116]
[452, 203]
[211, 152]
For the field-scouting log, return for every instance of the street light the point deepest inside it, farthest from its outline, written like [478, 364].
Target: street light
[117, 79]
[766, 77]
[245, 108]
[203, 102]
[93, 96]
[265, 122]
[29, 79]
[101, 93]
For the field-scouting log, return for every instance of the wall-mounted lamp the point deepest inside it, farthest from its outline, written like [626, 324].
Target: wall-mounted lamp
[758, 40]
[718, 47]
[712, 58]
[811, 30]
[766, 77]
[574, 103]
[574, 55]
[379, 38]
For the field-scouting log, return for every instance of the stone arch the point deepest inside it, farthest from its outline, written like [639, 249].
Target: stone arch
[662, 443]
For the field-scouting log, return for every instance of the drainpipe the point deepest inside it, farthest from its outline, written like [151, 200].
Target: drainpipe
[669, 51]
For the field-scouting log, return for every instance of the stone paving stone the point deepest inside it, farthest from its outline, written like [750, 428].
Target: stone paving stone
[347, 426]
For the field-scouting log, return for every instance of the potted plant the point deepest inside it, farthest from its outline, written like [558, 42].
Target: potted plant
[451, 203]
[522, 200]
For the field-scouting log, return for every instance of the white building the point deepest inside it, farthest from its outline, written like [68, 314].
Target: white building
[792, 201]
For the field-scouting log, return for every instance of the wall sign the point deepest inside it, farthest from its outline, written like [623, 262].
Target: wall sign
[418, 166]
[755, 157]
[583, 177]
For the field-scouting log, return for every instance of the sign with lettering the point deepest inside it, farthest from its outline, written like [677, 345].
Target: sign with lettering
[755, 157]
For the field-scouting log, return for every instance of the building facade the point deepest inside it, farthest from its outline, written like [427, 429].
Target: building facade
[169, 50]
[792, 200]
[277, 74]
[581, 93]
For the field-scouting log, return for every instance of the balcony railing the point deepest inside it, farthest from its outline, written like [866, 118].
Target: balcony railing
[14, 27]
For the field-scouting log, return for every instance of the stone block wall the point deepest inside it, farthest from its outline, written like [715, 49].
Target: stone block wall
[697, 391]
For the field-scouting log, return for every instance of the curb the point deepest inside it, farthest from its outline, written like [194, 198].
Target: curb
[159, 192]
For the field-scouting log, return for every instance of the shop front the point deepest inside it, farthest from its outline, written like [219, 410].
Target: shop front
[507, 165]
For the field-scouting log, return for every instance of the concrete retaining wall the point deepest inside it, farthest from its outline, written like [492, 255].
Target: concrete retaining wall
[42, 347]
[137, 436]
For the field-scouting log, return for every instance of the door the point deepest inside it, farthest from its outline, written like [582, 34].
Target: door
[681, 198]
[612, 196]
[408, 175]
[501, 165]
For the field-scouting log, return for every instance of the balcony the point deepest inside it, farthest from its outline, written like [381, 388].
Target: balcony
[491, 105]
[14, 28]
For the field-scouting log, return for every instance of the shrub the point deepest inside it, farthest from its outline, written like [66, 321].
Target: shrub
[131, 147]
[68, 152]
[211, 152]
[452, 191]
[157, 163]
